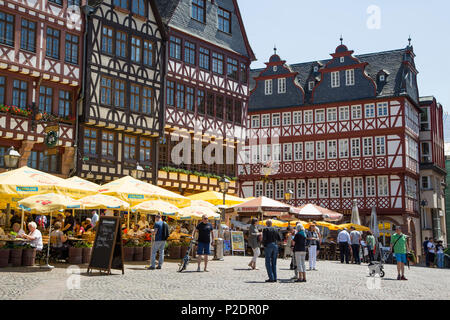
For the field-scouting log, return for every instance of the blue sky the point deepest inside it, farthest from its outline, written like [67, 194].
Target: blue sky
[310, 30]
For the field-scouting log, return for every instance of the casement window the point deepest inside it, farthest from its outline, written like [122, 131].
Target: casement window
[180, 96]
[138, 7]
[2, 89]
[269, 190]
[369, 110]
[268, 87]
[147, 52]
[28, 35]
[136, 49]
[106, 89]
[308, 114]
[201, 101]
[320, 150]
[335, 81]
[217, 63]
[198, 10]
[189, 52]
[383, 186]
[276, 152]
[175, 48]
[282, 85]
[275, 120]
[135, 97]
[331, 114]
[344, 114]
[53, 40]
[279, 189]
[323, 188]
[367, 147]
[350, 77]
[424, 119]
[219, 106]
[287, 152]
[256, 154]
[90, 141]
[356, 112]
[332, 149]
[425, 154]
[426, 183]
[71, 55]
[170, 99]
[266, 150]
[320, 116]
[312, 188]
[309, 150]
[119, 94]
[358, 188]
[120, 3]
[42, 161]
[286, 118]
[243, 71]
[290, 186]
[190, 99]
[20, 93]
[334, 188]
[297, 117]
[380, 146]
[6, 29]
[298, 151]
[45, 99]
[301, 189]
[370, 187]
[107, 144]
[229, 109]
[255, 121]
[311, 85]
[107, 40]
[224, 20]
[343, 148]
[121, 44]
[203, 58]
[232, 69]
[265, 120]
[210, 104]
[145, 150]
[356, 147]
[129, 147]
[258, 189]
[64, 102]
[346, 187]
[147, 100]
[237, 112]
[382, 109]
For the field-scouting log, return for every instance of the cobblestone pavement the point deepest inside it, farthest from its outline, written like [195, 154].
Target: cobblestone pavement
[229, 279]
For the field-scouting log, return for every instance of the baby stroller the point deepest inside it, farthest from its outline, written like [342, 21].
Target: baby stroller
[376, 267]
[187, 257]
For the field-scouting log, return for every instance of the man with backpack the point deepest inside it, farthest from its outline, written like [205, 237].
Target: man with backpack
[161, 233]
[399, 247]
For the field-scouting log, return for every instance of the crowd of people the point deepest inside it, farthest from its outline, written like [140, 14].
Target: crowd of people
[434, 253]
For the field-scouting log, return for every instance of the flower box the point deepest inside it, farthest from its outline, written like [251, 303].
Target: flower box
[204, 180]
[163, 174]
[183, 177]
[193, 178]
[173, 176]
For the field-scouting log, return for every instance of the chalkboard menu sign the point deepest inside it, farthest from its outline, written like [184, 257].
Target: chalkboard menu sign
[107, 252]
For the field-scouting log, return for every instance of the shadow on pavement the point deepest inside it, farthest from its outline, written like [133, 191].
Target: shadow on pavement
[24, 269]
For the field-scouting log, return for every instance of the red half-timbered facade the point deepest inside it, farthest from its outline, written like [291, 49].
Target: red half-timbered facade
[337, 130]
[40, 75]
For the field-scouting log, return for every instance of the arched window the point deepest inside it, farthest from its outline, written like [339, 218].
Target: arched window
[138, 7]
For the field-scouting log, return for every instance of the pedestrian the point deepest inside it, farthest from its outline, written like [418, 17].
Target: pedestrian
[161, 233]
[271, 237]
[94, 218]
[344, 245]
[370, 241]
[319, 241]
[254, 241]
[204, 230]
[313, 239]
[440, 254]
[431, 252]
[355, 238]
[399, 247]
[300, 253]
[425, 251]
[69, 222]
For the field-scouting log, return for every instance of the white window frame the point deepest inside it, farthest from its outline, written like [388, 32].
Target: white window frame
[287, 151]
[355, 144]
[276, 122]
[287, 118]
[268, 84]
[320, 116]
[279, 189]
[371, 187]
[308, 117]
[334, 188]
[369, 110]
[350, 77]
[343, 148]
[258, 189]
[269, 190]
[298, 151]
[290, 185]
[358, 187]
[346, 187]
[309, 150]
[265, 120]
[356, 112]
[311, 85]
[383, 186]
[323, 188]
[266, 152]
[344, 113]
[380, 148]
[331, 114]
[301, 188]
[276, 152]
[367, 147]
[255, 121]
[312, 188]
[382, 109]
[335, 80]
[281, 85]
[320, 150]
[297, 117]
[332, 149]
[256, 153]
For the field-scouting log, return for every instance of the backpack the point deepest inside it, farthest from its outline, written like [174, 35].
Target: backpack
[165, 231]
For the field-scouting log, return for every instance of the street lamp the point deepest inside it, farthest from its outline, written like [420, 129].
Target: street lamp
[11, 158]
[138, 173]
[224, 185]
[288, 196]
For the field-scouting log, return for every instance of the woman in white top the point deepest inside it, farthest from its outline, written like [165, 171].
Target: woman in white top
[34, 237]
[143, 223]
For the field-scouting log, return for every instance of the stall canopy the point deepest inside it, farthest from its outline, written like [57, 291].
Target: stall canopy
[328, 225]
[357, 226]
[216, 198]
[262, 205]
[134, 192]
[103, 201]
[48, 203]
[315, 212]
[202, 203]
[156, 206]
[284, 224]
[83, 184]
[196, 213]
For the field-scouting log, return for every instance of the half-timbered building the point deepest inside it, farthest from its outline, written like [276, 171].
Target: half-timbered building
[206, 93]
[40, 76]
[336, 130]
[122, 113]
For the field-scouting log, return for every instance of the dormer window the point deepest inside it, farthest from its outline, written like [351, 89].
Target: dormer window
[282, 85]
[342, 59]
[198, 10]
[268, 87]
[224, 20]
[350, 77]
[275, 68]
[311, 85]
[335, 81]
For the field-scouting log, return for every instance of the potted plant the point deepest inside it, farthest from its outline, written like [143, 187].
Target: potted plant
[147, 250]
[4, 256]
[15, 255]
[87, 251]
[138, 252]
[76, 253]
[28, 255]
[174, 249]
[128, 250]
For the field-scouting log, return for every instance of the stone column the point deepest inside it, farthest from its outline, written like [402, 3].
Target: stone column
[25, 151]
[67, 161]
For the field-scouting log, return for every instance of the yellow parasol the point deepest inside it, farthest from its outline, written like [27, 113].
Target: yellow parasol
[155, 206]
[216, 198]
[82, 183]
[103, 201]
[203, 203]
[196, 213]
[357, 226]
[328, 225]
[47, 203]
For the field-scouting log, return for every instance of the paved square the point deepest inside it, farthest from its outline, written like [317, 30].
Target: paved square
[229, 279]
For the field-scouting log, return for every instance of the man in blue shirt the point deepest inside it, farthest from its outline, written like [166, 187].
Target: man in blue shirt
[161, 233]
